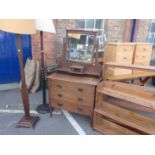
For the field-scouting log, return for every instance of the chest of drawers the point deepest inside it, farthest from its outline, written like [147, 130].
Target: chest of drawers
[73, 93]
[121, 53]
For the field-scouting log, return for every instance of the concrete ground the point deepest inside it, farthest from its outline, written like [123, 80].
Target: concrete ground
[61, 123]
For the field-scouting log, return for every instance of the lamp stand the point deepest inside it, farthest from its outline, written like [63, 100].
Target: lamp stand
[27, 121]
[43, 108]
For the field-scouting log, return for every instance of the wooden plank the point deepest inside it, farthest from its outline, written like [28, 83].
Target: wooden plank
[131, 93]
[129, 86]
[128, 97]
[74, 79]
[132, 66]
[105, 126]
[144, 92]
[128, 105]
[128, 118]
[130, 76]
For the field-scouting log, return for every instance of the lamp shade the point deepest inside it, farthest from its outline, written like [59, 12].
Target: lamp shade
[18, 26]
[45, 25]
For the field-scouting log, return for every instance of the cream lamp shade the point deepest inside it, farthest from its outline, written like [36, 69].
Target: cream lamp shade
[45, 25]
[18, 26]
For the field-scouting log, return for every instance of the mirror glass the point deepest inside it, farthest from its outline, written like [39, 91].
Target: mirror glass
[80, 47]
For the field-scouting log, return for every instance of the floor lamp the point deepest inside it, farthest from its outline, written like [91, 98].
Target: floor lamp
[44, 25]
[21, 26]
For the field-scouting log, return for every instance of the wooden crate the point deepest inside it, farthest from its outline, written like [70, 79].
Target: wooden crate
[118, 52]
[142, 55]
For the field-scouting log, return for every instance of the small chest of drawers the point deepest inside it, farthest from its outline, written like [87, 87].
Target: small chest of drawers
[73, 93]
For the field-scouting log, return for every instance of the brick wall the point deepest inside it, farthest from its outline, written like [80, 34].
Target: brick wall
[142, 30]
[49, 47]
[114, 29]
[61, 26]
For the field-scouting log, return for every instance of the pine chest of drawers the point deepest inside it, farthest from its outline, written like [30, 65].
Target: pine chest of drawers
[73, 93]
[121, 53]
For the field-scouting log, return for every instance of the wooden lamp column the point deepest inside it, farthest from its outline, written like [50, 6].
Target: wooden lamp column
[21, 26]
[27, 120]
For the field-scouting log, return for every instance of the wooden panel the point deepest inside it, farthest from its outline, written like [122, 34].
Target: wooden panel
[143, 57]
[74, 79]
[130, 76]
[147, 71]
[109, 53]
[101, 98]
[118, 72]
[104, 126]
[143, 47]
[130, 93]
[68, 105]
[128, 105]
[59, 85]
[74, 98]
[128, 118]
[131, 66]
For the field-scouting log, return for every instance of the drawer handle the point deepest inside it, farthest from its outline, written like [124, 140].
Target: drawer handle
[125, 49]
[60, 104]
[59, 85]
[60, 95]
[80, 99]
[80, 90]
[125, 58]
[80, 109]
[144, 49]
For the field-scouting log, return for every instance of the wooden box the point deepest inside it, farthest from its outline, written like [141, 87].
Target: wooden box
[73, 93]
[121, 53]
[142, 55]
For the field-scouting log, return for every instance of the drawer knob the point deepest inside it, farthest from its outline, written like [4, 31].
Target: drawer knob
[80, 90]
[59, 85]
[80, 109]
[80, 99]
[60, 95]
[60, 104]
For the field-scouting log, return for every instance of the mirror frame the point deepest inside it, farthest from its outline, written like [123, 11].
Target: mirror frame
[93, 33]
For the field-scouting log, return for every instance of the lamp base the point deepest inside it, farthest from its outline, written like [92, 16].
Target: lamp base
[28, 122]
[43, 109]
